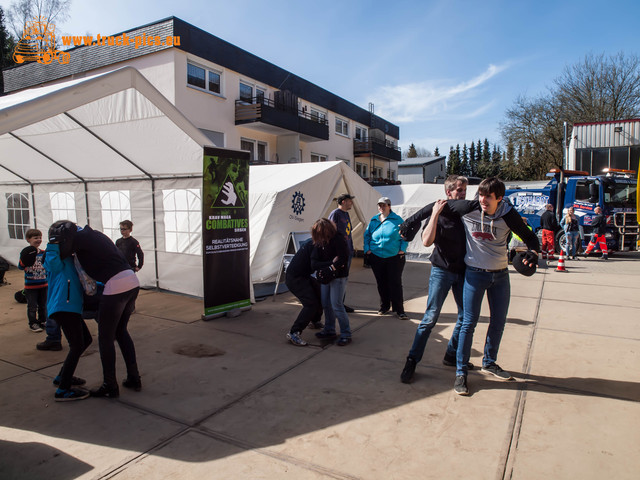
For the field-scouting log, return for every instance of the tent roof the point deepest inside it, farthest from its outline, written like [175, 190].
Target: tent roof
[110, 126]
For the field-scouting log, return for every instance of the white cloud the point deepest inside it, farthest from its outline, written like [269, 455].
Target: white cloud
[425, 100]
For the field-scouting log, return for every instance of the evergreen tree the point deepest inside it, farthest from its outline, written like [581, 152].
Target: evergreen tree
[472, 160]
[412, 153]
[453, 163]
[464, 164]
[7, 45]
[486, 151]
[436, 152]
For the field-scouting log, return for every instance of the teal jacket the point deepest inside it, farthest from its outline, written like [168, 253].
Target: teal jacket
[383, 238]
[65, 291]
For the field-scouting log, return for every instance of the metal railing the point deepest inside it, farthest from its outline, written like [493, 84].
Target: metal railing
[246, 110]
[365, 144]
[627, 225]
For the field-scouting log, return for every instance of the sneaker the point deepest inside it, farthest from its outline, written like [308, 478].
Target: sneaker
[348, 309]
[77, 381]
[106, 391]
[316, 325]
[295, 339]
[451, 362]
[134, 383]
[605, 257]
[495, 370]
[407, 372]
[383, 311]
[47, 345]
[35, 327]
[403, 316]
[71, 394]
[325, 336]
[460, 385]
[344, 341]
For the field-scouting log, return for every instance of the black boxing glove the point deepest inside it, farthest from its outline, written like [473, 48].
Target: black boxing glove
[63, 233]
[325, 275]
[531, 257]
[28, 256]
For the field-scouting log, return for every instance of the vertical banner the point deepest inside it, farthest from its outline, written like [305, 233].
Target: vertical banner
[225, 231]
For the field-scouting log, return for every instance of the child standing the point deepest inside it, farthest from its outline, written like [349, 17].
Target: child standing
[129, 246]
[64, 303]
[35, 280]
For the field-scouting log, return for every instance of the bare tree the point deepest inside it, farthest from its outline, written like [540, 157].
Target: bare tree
[45, 12]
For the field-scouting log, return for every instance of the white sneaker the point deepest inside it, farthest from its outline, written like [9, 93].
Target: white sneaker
[296, 339]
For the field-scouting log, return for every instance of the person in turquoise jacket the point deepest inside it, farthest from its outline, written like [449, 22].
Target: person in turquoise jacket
[385, 248]
[64, 305]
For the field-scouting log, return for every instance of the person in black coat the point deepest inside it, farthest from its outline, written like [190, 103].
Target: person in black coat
[599, 226]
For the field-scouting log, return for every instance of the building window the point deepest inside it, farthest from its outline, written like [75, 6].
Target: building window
[315, 157]
[348, 162]
[116, 207]
[361, 133]
[249, 91]
[205, 79]
[342, 127]
[18, 217]
[254, 148]
[318, 116]
[391, 174]
[63, 206]
[377, 172]
[182, 221]
[361, 169]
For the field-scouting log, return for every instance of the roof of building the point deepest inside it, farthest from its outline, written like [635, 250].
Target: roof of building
[195, 41]
[420, 161]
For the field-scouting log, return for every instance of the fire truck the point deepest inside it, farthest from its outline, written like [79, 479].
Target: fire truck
[615, 192]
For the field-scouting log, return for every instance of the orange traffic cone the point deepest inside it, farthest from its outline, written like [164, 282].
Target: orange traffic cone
[561, 263]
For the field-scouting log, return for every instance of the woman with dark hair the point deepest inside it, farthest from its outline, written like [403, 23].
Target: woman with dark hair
[330, 258]
[103, 262]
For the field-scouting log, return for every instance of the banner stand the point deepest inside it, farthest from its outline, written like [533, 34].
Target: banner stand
[291, 247]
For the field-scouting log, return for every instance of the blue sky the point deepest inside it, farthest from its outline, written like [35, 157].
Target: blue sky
[445, 71]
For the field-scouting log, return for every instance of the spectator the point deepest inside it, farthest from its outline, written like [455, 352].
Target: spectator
[549, 226]
[129, 246]
[571, 228]
[340, 217]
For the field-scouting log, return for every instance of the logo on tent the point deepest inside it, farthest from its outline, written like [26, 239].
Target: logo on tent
[228, 196]
[297, 203]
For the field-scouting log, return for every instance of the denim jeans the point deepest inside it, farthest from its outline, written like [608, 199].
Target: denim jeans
[572, 243]
[498, 289]
[53, 330]
[332, 295]
[440, 282]
[36, 304]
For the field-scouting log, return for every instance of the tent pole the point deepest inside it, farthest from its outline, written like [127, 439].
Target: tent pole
[155, 230]
[86, 200]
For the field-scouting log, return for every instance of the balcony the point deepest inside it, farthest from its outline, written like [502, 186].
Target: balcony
[381, 149]
[277, 118]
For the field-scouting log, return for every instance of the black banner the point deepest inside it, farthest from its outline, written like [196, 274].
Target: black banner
[225, 231]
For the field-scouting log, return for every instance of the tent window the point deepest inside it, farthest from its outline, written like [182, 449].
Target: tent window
[182, 221]
[63, 206]
[18, 221]
[116, 207]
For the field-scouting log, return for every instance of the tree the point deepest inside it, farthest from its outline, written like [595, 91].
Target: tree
[436, 152]
[453, 162]
[472, 160]
[48, 12]
[411, 153]
[464, 164]
[7, 45]
[423, 152]
[598, 88]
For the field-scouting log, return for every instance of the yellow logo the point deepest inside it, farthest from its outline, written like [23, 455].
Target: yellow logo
[38, 44]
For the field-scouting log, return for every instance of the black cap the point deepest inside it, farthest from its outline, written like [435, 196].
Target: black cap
[521, 268]
[343, 197]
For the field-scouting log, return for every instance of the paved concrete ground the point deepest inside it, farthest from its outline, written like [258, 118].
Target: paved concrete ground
[231, 399]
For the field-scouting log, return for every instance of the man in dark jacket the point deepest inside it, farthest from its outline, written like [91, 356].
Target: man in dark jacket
[549, 226]
[599, 225]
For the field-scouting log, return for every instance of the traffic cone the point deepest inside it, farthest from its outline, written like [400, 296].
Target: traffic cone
[561, 263]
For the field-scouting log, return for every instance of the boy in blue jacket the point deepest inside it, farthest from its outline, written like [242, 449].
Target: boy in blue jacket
[64, 305]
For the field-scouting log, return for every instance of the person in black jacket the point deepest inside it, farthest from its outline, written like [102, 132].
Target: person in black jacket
[599, 225]
[549, 225]
[330, 257]
[307, 289]
[129, 246]
[103, 262]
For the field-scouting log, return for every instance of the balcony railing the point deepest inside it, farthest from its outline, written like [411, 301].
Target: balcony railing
[377, 147]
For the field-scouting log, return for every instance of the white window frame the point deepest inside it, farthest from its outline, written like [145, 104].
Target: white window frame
[255, 150]
[318, 157]
[376, 172]
[182, 220]
[207, 78]
[17, 230]
[318, 115]
[361, 133]
[255, 88]
[342, 127]
[361, 169]
[116, 207]
[63, 206]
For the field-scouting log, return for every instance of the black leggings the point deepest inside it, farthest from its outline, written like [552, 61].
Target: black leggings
[113, 318]
[79, 338]
[307, 290]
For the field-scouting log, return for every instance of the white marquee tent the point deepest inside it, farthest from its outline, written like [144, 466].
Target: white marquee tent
[110, 147]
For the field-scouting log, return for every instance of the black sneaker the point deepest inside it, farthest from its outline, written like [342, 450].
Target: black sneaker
[407, 372]
[47, 345]
[348, 309]
[35, 327]
[451, 362]
[71, 394]
[403, 316]
[383, 311]
[326, 336]
[77, 381]
[495, 370]
[106, 391]
[134, 383]
[460, 385]
[316, 325]
[605, 257]
[344, 341]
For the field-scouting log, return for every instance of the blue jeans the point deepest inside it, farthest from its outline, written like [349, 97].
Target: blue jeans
[572, 243]
[53, 330]
[332, 295]
[498, 289]
[440, 282]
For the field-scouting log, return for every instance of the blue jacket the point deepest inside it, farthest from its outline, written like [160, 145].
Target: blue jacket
[383, 238]
[65, 291]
